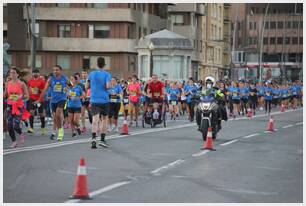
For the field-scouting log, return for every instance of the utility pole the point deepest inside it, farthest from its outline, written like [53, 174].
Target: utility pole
[261, 42]
[33, 37]
[234, 42]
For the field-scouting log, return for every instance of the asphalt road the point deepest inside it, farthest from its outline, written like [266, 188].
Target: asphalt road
[166, 165]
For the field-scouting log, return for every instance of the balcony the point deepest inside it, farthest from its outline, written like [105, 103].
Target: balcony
[197, 8]
[82, 14]
[88, 45]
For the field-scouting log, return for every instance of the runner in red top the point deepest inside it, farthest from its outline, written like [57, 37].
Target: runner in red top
[156, 91]
[35, 85]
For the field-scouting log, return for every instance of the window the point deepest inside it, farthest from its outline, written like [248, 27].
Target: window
[266, 25]
[279, 40]
[294, 40]
[144, 31]
[287, 40]
[288, 24]
[250, 40]
[37, 29]
[201, 45]
[63, 5]
[90, 62]
[239, 26]
[143, 8]
[152, 31]
[251, 26]
[101, 31]
[272, 25]
[301, 40]
[265, 40]
[37, 61]
[295, 24]
[63, 61]
[272, 40]
[139, 32]
[64, 30]
[254, 25]
[280, 25]
[177, 19]
[96, 5]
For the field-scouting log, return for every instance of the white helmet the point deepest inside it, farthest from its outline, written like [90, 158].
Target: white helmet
[210, 78]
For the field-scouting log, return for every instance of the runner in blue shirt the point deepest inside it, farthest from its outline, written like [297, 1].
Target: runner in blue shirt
[189, 90]
[75, 94]
[58, 84]
[115, 94]
[99, 83]
[261, 94]
[173, 93]
[244, 93]
[235, 95]
[268, 97]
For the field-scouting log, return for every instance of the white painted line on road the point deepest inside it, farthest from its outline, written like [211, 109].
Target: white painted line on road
[246, 191]
[230, 142]
[102, 190]
[299, 123]
[267, 132]
[60, 144]
[66, 172]
[290, 125]
[251, 135]
[168, 166]
[200, 153]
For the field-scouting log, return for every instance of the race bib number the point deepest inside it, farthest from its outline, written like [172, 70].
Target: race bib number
[252, 93]
[35, 90]
[58, 88]
[235, 94]
[173, 103]
[113, 100]
[183, 97]
[14, 97]
[156, 94]
[294, 93]
[133, 93]
[125, 100]
[268, 93]
[72, 94]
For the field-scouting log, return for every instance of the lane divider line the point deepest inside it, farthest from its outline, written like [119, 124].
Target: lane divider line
[102, 190]
[168, 166]
[230, 142]
[290, 125]
[251, 135]
[299, 123]
[200, 153]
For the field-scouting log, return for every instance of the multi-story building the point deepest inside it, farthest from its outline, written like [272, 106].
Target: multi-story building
[282, 42]
[213, 41]
[186, 20]
[74, 35]
[226, 41]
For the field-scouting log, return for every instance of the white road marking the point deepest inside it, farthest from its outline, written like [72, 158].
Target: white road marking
[271, 168]
[267, 132]
[251, 135]
[290, 125]
[299, 123]
[230, 142]
[246, 191]
[200, 153]
[168, 166]
[102, 190]
[67, 172]
[79, 141]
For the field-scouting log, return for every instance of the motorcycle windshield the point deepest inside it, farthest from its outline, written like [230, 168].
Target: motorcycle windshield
[207, 99]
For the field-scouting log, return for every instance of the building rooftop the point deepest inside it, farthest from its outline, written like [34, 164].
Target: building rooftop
[165, 39]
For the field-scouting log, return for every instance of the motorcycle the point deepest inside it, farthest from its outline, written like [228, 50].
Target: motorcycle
[207, 114]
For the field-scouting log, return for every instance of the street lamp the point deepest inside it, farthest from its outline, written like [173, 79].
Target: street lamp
[151, 48]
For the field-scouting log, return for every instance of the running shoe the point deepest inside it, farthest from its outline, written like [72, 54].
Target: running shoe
[60, 134]
[94, 144]
[116, 129]
[52, 136]
[74, 134]
[42, 131]
[84, 130]
[31, 130]
[14, 144]
[103, 144]
[66, 126]
[79, 131]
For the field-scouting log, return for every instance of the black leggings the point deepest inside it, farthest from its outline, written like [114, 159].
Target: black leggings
[191, 109]
[114, 110]
[268, 103]
[253, 103]
[14, 124]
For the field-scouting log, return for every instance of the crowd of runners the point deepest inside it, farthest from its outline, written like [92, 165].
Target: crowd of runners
[100, 98]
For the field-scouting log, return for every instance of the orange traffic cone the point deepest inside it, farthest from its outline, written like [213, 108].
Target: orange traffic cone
[271, 125]
[125, 128]
[249, 114]
[282, 108]
[208, 145]
[80, 190]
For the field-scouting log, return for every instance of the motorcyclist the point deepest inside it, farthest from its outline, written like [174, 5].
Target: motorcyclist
[210, 89]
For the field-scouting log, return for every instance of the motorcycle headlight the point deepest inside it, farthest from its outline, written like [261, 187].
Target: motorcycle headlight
[204, 106]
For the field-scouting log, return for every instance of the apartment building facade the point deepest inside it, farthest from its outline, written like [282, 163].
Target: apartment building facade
[75, 35]
[186, 20]
[282, 49]
[213, 41]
